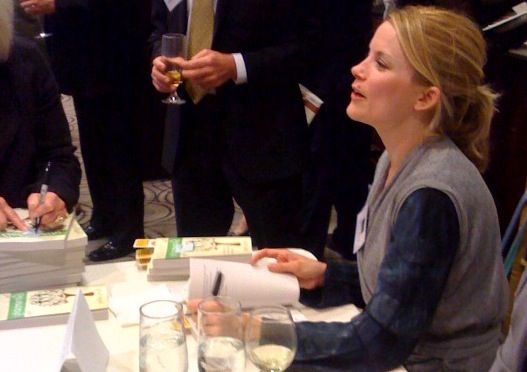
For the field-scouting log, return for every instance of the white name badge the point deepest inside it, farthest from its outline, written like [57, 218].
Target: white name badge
[360, 229]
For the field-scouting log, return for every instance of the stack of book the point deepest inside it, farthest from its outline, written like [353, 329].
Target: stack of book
[30, 260]
[49, 306]
[170, 256]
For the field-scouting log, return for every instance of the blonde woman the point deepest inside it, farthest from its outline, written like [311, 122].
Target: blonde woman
[429, 262]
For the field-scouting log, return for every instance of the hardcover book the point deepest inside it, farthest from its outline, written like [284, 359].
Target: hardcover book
[48, 306]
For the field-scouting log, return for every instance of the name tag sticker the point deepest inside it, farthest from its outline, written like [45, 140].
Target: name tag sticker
[360, 229]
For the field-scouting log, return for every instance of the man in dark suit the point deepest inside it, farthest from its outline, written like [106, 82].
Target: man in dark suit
[247, 137]
[339, 170]
[94, 49]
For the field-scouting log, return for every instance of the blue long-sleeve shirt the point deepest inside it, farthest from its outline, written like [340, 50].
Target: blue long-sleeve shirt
[424, 241]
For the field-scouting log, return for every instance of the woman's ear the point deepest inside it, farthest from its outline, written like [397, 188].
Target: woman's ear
[429, 99]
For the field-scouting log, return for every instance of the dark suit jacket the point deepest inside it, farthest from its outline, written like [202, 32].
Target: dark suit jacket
[96, 45]
[263, 121]
[34, 130]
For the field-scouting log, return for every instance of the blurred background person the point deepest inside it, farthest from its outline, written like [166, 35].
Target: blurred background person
[94, 49]
[244, 135]
[34, 132]
[339, 171]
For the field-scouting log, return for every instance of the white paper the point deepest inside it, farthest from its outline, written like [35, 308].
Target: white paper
[251, 285]
[171, 4]
[312, 103]
[125, 300]
[360, 229]
[82, 339]
[519, 10]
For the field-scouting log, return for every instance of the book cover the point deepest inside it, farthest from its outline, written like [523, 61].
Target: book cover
[48, 306]
[207, 247]
[69, 235]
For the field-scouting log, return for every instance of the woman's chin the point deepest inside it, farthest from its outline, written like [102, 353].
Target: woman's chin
[353, 114]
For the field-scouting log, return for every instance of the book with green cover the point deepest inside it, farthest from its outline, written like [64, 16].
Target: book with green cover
[70, 234]
[48, 306]
[173, 253]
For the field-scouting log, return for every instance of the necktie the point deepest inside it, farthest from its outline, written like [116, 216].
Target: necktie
[200, 37]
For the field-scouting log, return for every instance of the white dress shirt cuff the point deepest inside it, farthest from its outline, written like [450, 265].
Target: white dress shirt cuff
[241, 71]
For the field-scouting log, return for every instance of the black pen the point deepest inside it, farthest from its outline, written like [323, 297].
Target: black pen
[217, 283]
[43, 192]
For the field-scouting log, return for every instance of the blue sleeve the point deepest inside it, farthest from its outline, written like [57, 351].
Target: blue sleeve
[424, 240]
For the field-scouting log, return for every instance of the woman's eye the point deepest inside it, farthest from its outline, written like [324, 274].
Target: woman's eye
[380, 64]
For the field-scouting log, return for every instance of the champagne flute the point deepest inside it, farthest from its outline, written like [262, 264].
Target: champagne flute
[173, 45]
[270, 338]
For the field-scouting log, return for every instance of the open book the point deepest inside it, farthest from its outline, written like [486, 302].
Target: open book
[48, 306]
[70, 235]
[251, 285]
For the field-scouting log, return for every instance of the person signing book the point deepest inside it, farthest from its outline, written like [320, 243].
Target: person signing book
[429, 268]
[34, 133]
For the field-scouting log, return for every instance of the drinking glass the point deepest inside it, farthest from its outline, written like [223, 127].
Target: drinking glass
[173, 45]
[220, 335]
[270, 338]
[162, 337]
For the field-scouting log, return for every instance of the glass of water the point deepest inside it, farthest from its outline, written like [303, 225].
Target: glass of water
[270, 338]
[162, 344]
[220, 335]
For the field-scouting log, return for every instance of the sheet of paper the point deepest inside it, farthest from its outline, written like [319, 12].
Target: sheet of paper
[312, 103]
[125, 300]
[519, 10]
[82, 339]
[251, 285]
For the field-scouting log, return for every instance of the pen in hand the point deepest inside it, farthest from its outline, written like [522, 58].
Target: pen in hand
[43, 192]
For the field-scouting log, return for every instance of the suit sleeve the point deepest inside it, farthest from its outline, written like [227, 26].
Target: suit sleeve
[159, 26]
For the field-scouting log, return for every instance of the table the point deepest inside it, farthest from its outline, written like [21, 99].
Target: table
[37, 348]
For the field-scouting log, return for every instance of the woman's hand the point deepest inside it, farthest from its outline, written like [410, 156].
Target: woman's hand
[309, 272]
[8, 214]
[52, 212]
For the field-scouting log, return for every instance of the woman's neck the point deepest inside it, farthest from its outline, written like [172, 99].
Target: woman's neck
[400, 141]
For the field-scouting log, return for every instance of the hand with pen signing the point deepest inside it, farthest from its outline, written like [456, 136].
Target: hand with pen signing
[52, 211]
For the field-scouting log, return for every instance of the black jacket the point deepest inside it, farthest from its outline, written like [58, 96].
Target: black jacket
[33, 130]
[262, 122]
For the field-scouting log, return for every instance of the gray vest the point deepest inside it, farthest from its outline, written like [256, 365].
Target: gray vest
[473, 303]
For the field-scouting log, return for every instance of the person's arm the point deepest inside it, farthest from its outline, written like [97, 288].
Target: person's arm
[424, 241]
[341, 286]
[53, 139]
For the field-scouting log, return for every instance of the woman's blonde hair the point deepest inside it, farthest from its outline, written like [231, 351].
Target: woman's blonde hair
[447, 50]
[6, 28]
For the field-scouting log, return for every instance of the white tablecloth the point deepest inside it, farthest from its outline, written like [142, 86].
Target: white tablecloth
[37, 349]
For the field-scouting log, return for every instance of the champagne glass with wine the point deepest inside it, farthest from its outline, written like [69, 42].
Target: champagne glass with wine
[173, 45]
[270, 338]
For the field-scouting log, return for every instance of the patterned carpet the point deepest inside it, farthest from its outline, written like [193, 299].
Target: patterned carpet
[159, 218]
